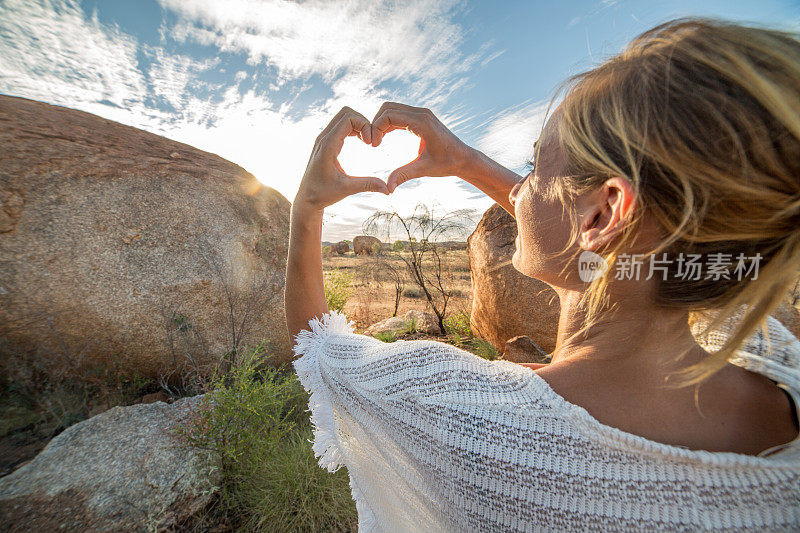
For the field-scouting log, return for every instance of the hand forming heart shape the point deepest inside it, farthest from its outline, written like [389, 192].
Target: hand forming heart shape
[325, 182]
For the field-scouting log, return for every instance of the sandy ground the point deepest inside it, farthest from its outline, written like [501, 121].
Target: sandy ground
[373, 288]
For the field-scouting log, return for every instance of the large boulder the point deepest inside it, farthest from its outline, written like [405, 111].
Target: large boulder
[125, 247]
[423, 322]
[366, 244]
[341, 247]
[521, 349]
[122, 470]
[506, 303]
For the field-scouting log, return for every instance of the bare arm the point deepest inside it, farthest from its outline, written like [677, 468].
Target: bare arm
[324, 183]
[441, 153]
[492, 178]
[304, 296]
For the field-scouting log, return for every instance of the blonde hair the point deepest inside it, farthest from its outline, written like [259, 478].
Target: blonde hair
[703, 118]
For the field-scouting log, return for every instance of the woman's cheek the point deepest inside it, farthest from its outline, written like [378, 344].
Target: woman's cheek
[543, 231]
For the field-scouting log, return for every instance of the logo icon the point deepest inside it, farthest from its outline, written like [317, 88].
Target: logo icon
[591, 266]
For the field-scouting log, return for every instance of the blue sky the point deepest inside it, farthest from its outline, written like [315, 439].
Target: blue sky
[256, 81]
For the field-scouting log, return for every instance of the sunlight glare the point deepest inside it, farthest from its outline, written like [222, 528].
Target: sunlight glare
[397, 148]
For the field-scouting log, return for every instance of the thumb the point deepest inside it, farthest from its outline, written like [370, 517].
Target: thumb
[415, 169]
[356, 184]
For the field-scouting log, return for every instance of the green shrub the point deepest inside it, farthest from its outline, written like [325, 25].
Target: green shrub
[410, 326]
[338, 288]
[485, 349]
[398, 246]
[292, 493]
[386, 336]
[458, 323]
[457, 340]
[255, 420]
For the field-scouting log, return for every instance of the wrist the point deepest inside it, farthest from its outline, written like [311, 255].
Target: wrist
[305, 218]
[303, 206]
[472, 164]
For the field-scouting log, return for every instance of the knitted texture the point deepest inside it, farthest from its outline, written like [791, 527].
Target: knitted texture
[437, 439]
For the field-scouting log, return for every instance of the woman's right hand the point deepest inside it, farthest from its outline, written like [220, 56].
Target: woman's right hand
[441, 153]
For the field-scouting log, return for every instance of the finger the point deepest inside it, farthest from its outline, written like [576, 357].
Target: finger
[356, 184]
[391, 119]
[333, 122]
[396, 119]
[351, 123]
[366, 133]
[415, 169]
[399, 106]
[385, 106]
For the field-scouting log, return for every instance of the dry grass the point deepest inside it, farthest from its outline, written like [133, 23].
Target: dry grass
[372, 299]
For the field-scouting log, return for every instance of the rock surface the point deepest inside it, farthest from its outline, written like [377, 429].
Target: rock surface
[341, 247]
[154, 397]
[124, 247]
[365, 244]
[506, 303]
[521, 349]
[122, 470]
[424, 322]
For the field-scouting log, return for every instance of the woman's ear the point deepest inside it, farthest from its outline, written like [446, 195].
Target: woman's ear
[605, 212]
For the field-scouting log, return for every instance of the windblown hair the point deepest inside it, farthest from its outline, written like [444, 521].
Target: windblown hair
[703, 118]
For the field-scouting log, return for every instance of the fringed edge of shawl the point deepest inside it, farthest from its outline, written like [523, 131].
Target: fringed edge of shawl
[309, 349]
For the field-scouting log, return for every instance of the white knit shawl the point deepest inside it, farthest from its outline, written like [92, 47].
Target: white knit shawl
[437, 439]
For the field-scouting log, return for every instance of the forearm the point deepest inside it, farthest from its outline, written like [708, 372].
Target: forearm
[491, 177]
[304, 295]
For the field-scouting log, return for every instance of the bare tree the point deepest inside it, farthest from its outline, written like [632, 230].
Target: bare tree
[380, 268]
[424, 258]
[242, 307]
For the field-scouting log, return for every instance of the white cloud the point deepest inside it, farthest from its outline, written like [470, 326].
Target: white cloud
[354, 45]
[60, 56]
[53, 52]
[250, 132]
[509, 136]
[492, 57]
[172, 76]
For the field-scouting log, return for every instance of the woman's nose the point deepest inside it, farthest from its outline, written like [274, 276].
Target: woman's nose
[512, 196]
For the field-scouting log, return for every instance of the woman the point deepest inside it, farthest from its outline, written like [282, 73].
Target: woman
[686, 144]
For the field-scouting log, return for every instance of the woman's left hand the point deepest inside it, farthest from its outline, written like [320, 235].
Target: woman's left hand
[325, 182]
